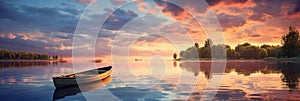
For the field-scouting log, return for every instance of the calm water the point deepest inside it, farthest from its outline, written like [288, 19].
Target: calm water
[242, 80]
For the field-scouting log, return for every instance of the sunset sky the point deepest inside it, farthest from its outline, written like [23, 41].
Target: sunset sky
[147, 27]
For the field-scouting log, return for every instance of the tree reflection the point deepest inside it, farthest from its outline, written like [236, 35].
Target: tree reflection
[21, 64]
[26, 64]
[290, 72]
[175, 64]
[245, 68]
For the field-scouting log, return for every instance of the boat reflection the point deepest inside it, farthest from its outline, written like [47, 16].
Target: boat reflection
[69, 91]
[290, 72]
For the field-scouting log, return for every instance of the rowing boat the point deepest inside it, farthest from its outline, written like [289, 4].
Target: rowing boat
[82, 77]
[73, 90]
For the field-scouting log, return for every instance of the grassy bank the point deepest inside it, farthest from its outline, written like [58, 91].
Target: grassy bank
[269, 59]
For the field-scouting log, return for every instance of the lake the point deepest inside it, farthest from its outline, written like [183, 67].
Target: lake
[240, 80]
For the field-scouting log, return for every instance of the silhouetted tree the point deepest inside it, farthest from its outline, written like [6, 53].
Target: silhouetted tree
[219, 51]
[181, 54]
[265, 46]
[237, 55]
[196, 45]
[262, 53]
[205, 52]
[175, 56]
[290, 43]
[208, 43]
[271, 50]
[244, 51]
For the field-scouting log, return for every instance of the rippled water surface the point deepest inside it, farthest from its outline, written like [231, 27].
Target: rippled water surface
[241, 80]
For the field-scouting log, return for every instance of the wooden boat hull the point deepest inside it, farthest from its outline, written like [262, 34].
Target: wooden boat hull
[73, 90]
[82, 77]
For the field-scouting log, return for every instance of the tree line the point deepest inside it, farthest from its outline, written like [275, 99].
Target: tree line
[290, 48]
[12, 55]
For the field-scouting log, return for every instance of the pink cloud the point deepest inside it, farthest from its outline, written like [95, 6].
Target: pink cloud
[11, 36]
[2, 35]
[85, 1]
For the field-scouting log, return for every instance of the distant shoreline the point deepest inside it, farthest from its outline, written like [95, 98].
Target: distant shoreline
[25, 60]
[31, 60]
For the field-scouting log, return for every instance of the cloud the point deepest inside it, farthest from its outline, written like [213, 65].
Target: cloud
[295, 8]
[177, 6]
[146, 24]
[63, 47]
[2, 35]
[234, 1]
[37, 42]
[107, 33]
[145, 7]
[229, 21]
[85, 1]
[241, 20]
[118, 19]
[118, 2]
[213, 2]
[50, 28]
[11, 36]
[103, 46]
[173, 9]
[254, 35]
[148, 39]
[19, 44]
[25, 18]
[260, 17]
[40, 29]
[255, 21]
[227, 2]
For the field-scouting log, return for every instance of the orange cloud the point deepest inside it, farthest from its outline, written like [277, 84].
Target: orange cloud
[145, 7]
[11, 36]
[156, 48]
[63, 47]
[245, 21]
[34, 36]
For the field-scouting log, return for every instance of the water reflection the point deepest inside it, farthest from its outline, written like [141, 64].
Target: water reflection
[243, 80]
[245, 68]
[175, 64]
[290, 72]
[136, 94]
[27, 63]
[69, 91]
